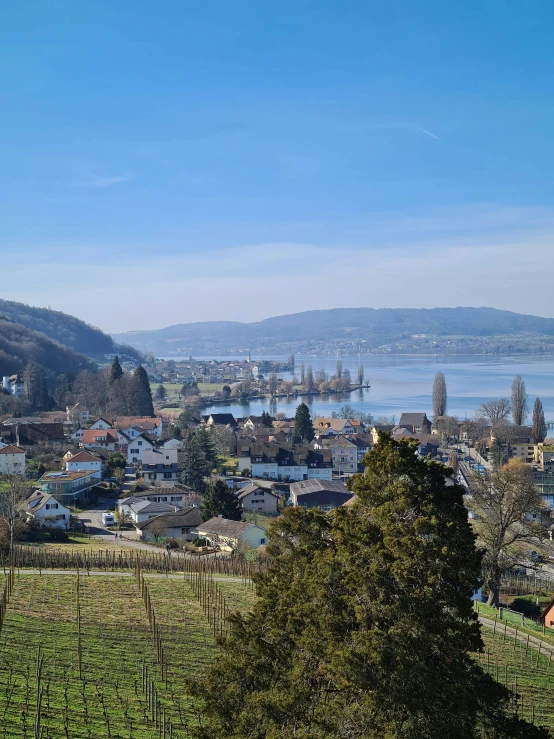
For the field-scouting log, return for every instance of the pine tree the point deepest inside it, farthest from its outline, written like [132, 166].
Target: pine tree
[141, 394]
[338, 369]
[219, 500]
[364, 625]
[538, 430]
[360, 376]
[193, 467]
[115, 371]
[267, 421]
[303, 426]
[302, 374]
[160, 392]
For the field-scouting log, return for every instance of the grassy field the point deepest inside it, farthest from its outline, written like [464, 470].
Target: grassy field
[51, 619]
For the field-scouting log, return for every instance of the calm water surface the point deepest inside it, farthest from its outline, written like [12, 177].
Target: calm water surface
[404, 383]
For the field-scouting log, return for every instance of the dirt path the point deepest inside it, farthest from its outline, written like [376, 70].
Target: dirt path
[545, 647]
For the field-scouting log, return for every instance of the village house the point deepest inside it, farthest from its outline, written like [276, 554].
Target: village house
[229, 535]
[173, 493]
[284, 461]
[32, 432]
[253, 497]
[160, 464]
[68, 486]
[12, 460]
[102, 438]
[415, 422]
[136, 448]
[220, 419]
[101, 424]
[84, 462]
[45, 510]
[181, 525]
[336, 426]
[14, 385]
[344, 453]
[139, 510]
[319, 494]
[76, 414]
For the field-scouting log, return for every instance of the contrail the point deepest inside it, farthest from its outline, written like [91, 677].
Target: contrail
[432, 135]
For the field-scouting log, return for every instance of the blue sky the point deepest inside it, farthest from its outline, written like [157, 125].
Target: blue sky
[177, 161]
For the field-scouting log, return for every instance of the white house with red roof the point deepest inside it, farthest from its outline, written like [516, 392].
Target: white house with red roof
[83, 462]
[102, 438]
[12, 460]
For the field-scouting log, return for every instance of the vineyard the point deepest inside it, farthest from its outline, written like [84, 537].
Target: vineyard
[528, 673]
[108, 655]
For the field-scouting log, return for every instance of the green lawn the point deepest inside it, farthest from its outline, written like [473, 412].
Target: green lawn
[208, 388]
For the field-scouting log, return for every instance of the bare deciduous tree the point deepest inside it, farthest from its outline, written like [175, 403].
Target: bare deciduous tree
[495, 411]
[502, 499]
[519, 401]
[13, 491]
[447, 428]
[439, 395]
[338, 370]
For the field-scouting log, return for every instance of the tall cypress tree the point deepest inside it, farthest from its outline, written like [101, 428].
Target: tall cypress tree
[142, 394]
[538, 430]
[303, 426]
[220, 501]
[364, 625]
[115, 371]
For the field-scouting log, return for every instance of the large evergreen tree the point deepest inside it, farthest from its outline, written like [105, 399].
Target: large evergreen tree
[303, 426]
[205, 443]
[220, 501]
[538, 430]
[194, 467]
[364, 626]
[36, 387]
[115, 371]
[141, 394]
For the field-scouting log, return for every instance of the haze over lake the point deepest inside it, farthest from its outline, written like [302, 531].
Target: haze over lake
[403, 383]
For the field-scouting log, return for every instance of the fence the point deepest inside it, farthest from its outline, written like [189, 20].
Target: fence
[38, 558]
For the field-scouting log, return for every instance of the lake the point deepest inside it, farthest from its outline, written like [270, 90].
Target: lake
[404, 383]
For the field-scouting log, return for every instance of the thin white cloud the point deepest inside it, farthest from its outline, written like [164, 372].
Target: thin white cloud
[428, 133]
[100, 182]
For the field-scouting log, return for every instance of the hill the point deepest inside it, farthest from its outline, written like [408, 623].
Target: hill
[65, 329]
[20, 345]
[386, 330]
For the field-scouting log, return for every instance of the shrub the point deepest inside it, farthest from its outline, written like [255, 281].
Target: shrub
[58, 535]
[171, 543]
[200, 542]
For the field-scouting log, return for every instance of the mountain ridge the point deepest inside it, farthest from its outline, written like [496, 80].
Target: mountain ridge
[345, 329]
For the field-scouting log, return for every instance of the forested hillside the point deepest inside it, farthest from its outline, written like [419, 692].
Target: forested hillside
[20, 345]
[65, 329]
[386, 330]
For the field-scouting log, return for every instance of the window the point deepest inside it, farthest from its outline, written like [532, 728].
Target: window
[262, 541]
[175, 498]
[139, 443]
[49, 506]
[167, 475]
[135, 451]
